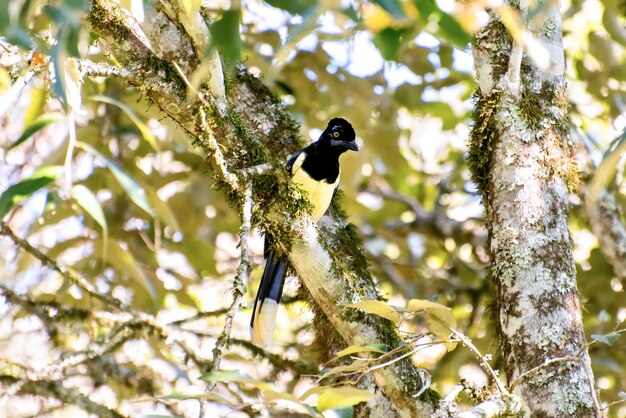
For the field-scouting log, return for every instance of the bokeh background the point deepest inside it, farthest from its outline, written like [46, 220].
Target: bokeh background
[119, 195]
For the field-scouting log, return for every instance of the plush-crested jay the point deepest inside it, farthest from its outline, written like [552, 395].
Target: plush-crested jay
[315, 169]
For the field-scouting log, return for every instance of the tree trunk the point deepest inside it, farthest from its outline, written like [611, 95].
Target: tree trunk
[520, 160]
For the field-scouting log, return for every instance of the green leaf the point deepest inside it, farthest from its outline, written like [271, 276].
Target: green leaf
[342, 397]
[425, 8]
[19, 191]
[136, 193]
[452, 31]
[225, 35]
[38, 124]
[90, 204]
[143, 128]
[58, 54]
[298, 7]
[388, 42]
[607, 339]
[373, 348]
[378, 308]
[37, 101]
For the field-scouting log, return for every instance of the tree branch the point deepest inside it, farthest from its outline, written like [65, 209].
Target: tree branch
[55, 389]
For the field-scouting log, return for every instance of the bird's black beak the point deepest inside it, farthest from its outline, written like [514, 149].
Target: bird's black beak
[344, 145]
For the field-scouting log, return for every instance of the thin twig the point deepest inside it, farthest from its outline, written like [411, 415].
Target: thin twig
[606, 408]
[239, 281]
[483, 361]
[535, 369]
[200, 315]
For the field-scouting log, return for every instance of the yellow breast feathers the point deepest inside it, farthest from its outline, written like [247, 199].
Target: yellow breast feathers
[320, 193]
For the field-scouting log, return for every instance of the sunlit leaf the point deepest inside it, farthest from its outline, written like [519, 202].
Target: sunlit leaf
[38, 97]
[192, 9]
[38, 124]
[443, 315]
[378, 308]
[293, 402]
[341, 397]
[90, 204]
[143, 128]
[376, 18]
[373, 348]
[607, 339]
[356, 366]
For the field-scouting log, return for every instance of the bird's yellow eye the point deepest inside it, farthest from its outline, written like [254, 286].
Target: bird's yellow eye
[336, 134]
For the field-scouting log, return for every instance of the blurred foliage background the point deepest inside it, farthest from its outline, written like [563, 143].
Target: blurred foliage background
[99, 181]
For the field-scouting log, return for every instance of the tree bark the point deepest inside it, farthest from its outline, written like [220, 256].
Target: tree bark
[521, 162]
[249, 127]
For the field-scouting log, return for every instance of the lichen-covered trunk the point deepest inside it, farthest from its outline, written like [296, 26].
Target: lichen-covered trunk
[520, 160]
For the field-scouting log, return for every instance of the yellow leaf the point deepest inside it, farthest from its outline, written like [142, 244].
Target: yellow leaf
[293, 401]
[410, 10]
[440, 318]
[378, 308]
[375, 17]
[375, 348]
[356, 366]
[315, 390]
[342, 397]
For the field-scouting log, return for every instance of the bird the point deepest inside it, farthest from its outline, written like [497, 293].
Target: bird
[315, 169]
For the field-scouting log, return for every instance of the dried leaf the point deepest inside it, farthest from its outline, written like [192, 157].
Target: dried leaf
[378, 308]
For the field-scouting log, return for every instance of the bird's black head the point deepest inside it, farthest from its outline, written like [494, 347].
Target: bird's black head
[340, 135]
